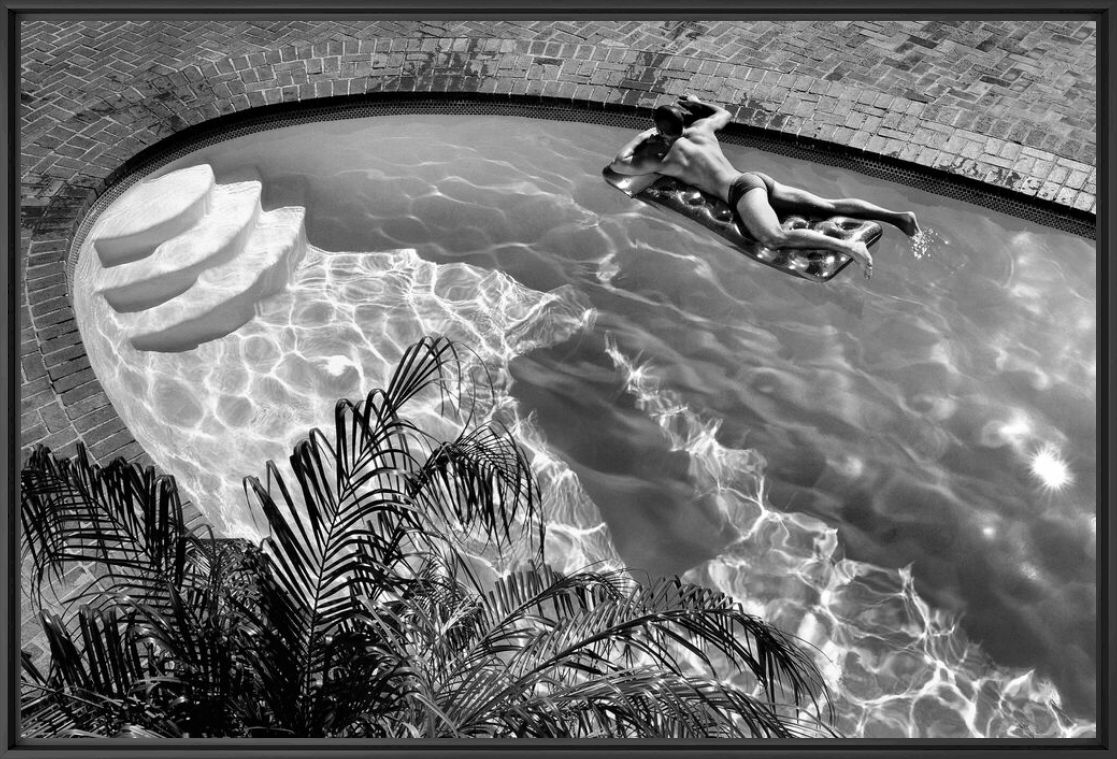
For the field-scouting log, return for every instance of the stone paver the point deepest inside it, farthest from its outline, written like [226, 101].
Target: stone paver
[1011, 103]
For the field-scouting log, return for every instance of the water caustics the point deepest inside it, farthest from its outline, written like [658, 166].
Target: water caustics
[222, 334]
[251, 347]
[896, 666]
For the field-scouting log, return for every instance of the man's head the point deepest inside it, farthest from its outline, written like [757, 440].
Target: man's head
[669, 120]
[654, 148]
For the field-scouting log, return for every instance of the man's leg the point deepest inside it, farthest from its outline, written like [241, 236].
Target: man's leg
[761, 222]
[787, 199]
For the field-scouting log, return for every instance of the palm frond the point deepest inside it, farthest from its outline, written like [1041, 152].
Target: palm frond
[352, 523]
[125, 520]
[644, 702]
[432, 361]
[671, 617]
[360, 614]
[101, 678]
[539, 643]
[481, 480]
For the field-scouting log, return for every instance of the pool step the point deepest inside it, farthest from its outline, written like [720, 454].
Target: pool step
[152, 212]
[176, 263]
[224, 297]
[180, 271]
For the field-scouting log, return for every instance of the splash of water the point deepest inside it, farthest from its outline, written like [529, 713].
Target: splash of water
[927, 243]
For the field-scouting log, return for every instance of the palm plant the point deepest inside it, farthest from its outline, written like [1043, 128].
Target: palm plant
[361, 616]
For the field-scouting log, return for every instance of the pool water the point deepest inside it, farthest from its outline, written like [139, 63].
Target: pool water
[901, 470]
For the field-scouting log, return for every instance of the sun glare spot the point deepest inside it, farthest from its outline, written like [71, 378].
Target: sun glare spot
[1048, 466]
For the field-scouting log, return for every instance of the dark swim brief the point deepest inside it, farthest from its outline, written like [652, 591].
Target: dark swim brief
[742, 184]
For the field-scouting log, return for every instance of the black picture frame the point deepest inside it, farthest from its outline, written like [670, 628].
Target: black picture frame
[1101, 11]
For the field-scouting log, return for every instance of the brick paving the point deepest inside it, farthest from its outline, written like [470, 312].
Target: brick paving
[1010, 103]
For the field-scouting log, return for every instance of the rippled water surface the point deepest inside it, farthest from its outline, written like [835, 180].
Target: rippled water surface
[901, 470]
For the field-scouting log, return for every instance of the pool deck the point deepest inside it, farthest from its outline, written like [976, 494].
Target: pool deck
[1009, 103]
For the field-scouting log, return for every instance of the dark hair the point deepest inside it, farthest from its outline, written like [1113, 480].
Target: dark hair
[670, 119]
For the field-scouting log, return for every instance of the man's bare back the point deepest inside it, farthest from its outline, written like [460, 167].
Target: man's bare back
[696, 158]
[693, 155]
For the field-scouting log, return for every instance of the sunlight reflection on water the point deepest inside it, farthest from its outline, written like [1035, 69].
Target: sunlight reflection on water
[931, 429]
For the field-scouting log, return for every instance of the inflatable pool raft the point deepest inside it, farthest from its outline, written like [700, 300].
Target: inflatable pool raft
[714, 214]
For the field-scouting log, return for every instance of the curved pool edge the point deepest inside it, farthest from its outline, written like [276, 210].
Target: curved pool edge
[76, 148]
[68, 397]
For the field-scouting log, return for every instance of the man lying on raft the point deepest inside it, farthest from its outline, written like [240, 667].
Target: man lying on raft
[692, 154]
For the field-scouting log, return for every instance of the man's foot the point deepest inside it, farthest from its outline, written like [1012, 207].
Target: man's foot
[908, 224]
[861, 255]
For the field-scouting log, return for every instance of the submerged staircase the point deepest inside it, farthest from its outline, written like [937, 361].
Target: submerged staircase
[185, 260]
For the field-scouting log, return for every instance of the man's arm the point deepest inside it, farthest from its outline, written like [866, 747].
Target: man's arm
[626, 161]
[710, 116]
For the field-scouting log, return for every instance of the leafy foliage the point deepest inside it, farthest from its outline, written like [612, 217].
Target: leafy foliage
[359, 616]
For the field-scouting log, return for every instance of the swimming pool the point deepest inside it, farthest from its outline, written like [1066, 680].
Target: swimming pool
[898, 470]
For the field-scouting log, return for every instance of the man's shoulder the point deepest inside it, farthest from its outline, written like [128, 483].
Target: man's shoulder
[699, 136]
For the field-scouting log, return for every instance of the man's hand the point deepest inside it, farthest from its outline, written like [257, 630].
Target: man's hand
[717, 116]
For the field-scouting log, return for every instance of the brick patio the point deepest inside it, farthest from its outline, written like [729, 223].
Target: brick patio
[1009, 103]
